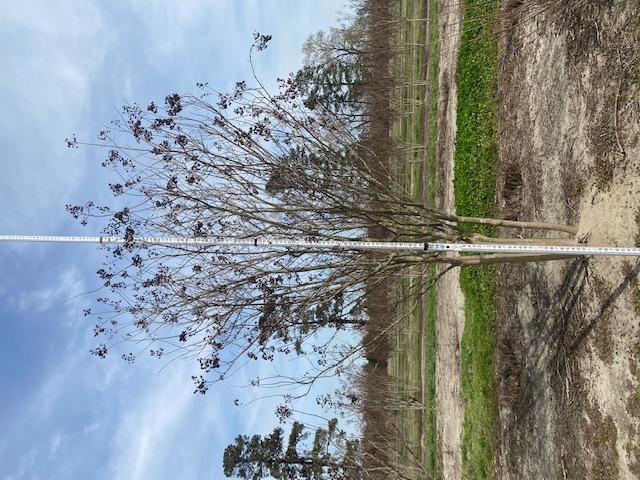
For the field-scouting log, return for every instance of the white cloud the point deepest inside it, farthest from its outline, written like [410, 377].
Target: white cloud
[163, 426]
[51, 52]
[67, 289]
[54, 444]
[170, 29]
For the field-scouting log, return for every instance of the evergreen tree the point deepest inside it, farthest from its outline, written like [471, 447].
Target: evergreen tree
[330, 455]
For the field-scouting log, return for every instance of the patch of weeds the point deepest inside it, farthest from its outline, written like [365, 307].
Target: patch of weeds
[601, 436]
[627, 272]
[477, 124]
[635, 299]
[638, 224]
[633, 360]
[574, 189]
[603, 341]
[633, 450]
[508, 372]
[633, 410]
[603, 170]
[600, 289]
[633, 404]
[633, 366]
[511, 201]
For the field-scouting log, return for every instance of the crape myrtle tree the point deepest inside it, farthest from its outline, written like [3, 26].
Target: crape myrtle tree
[330, 454]
[248, 164]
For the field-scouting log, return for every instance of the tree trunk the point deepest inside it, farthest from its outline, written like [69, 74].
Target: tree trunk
[492, 259]
[517, 224]
[568, 242]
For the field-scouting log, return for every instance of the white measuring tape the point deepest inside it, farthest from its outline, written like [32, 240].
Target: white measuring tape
[348, 245]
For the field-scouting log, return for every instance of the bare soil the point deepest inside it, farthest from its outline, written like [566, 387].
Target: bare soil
[449, 297]
[569, 331]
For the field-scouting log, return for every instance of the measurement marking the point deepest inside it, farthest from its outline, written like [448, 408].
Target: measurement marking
[336, 244]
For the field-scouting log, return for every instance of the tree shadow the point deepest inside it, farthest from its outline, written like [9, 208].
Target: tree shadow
[562, 323]
[542, 325]
[579, 338]
[556, 312]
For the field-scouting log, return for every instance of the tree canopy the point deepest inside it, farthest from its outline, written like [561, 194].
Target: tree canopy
[329, 455]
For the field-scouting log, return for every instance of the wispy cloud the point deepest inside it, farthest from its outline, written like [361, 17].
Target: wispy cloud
[67, 289]
[153, 434]
[52, 50]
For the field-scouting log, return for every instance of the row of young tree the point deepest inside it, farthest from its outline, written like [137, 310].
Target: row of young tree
[312, 160]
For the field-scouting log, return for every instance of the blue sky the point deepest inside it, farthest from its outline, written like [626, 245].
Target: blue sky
[67, 66]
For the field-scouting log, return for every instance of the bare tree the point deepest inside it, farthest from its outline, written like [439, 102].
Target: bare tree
[247, 164]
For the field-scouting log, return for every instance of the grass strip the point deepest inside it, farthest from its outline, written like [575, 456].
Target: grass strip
[474, 183]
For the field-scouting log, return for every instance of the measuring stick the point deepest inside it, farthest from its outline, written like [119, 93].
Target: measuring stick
[336, 244]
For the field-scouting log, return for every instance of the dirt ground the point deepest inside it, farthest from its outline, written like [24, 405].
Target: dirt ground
[569, 331]
[449, 297]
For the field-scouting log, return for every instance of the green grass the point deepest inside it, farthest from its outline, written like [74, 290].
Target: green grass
[478, 359]
[474, 183]
[476, 139]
